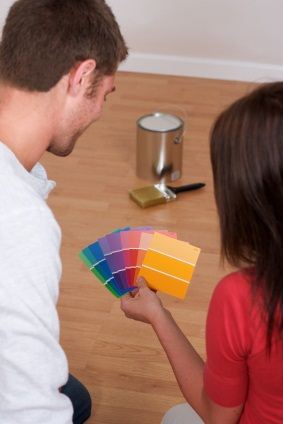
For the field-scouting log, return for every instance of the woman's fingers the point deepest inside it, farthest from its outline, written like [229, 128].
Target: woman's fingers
[141, 282]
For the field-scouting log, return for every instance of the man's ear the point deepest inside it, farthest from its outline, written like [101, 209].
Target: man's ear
[79, 74]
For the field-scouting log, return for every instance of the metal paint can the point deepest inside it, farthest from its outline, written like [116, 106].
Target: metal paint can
[159, 147]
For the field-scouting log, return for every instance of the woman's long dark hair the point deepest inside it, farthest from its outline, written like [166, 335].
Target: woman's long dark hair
[247, 163]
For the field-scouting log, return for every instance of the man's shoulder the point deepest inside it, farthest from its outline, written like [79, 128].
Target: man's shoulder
[16, 194]
[21, 205]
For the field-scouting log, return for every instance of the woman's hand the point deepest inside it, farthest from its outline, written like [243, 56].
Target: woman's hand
[143, 304]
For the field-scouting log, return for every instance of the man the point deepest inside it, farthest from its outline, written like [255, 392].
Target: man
[58, 60]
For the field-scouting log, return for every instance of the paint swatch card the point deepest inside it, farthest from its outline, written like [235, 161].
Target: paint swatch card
[168, 265]
[118, 258]
[131, 244]
[93, 257]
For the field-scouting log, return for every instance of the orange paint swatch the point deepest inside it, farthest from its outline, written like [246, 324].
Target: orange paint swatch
[168, 265]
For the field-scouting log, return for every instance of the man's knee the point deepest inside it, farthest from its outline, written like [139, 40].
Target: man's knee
[80, 398]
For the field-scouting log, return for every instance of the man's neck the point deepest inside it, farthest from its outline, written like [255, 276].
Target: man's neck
[27, 122]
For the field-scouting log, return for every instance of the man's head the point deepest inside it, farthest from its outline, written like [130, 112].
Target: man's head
[42, 40]
[76, 43]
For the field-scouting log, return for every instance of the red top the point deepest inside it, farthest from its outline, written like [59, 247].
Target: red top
[238, 369]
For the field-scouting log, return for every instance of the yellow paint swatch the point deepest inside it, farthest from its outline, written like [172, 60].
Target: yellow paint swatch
[169, 264]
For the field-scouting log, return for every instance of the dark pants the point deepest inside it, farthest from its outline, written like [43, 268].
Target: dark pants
[80, 399]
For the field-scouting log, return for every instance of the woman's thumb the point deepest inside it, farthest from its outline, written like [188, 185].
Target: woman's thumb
[141, 282]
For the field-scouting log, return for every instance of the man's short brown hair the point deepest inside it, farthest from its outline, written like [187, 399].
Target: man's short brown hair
[43, 39]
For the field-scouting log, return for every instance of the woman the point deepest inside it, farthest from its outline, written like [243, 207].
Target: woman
[242, 379]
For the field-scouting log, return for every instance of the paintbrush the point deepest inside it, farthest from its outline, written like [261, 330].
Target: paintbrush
[159, 193]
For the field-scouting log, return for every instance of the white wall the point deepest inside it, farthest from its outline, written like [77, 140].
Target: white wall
[230, 39]
[4, 7]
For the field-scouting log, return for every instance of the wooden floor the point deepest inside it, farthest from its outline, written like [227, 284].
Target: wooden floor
[119, 360]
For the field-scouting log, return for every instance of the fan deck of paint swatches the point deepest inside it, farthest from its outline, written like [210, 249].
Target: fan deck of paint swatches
[120, 257]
